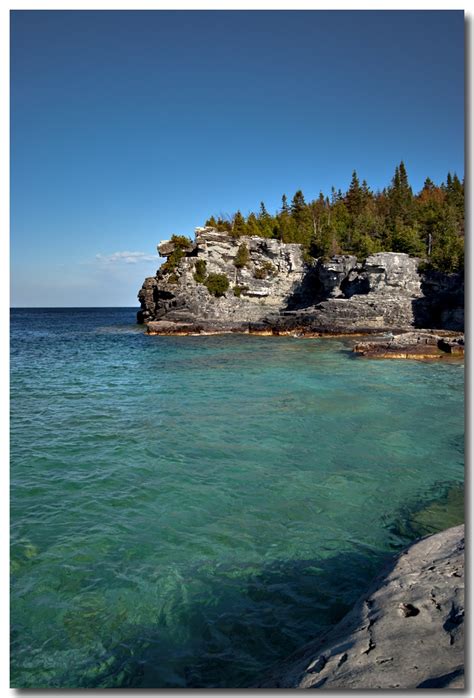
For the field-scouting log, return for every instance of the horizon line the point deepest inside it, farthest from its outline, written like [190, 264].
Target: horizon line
[69, 307]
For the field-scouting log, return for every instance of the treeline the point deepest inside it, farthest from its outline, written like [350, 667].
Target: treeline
[429, 224]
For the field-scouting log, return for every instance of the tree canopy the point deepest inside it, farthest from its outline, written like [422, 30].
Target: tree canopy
[429, 224]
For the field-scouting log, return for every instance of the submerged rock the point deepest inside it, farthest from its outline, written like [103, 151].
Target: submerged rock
[267, 281]
[406, 632]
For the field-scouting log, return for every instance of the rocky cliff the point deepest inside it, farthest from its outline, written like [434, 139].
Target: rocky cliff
[272, 286]
[406, 632]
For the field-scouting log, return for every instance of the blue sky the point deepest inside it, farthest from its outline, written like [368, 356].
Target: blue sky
[129, 126]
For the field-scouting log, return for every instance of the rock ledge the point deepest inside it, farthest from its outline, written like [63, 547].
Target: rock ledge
[405, 632]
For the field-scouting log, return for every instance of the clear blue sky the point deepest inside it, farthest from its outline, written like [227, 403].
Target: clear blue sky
[128, 126]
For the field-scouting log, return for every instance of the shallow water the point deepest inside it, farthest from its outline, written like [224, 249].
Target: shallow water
[186, 511]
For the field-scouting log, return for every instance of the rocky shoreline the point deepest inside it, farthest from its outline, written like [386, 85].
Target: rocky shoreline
[262, 286]
[405, 632]
[414, 345]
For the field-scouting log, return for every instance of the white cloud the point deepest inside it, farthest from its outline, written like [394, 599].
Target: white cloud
[126, 257]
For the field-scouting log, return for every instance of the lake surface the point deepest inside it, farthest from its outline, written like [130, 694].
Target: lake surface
[186, 511]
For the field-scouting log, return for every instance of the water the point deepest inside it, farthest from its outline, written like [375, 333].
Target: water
[186, 511]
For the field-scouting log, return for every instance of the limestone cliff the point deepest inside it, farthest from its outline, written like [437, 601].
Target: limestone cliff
[264, 284]
[271, 285]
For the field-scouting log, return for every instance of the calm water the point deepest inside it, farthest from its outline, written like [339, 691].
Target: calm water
[187, 511]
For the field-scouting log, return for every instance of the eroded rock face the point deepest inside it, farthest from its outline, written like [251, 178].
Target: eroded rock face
[406, 632]
[278, 287]
[273, 273]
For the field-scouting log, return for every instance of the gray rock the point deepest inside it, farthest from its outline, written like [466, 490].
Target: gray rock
[413, 345]
[406, 632]
[339, 295]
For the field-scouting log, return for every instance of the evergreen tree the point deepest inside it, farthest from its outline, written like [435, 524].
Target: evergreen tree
[401, 198]
[302, 226]
[263, 213]
[242, 257]
[265, 222]
[298, 204]
[429, 225]
[253, 227]
[238, 227]
[223, 225]
[455, 195]
[354, 196]
[406, 238]
[448, 244]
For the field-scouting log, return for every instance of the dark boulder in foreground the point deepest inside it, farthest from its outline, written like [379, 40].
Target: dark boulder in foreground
[405, 632]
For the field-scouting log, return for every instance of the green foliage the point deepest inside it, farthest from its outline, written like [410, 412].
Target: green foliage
[270, 268]
[217, 284]
[407, 239]
[252, 225]
[172, 261]
[239, 226]
[238, 290]
[181, 241]
[429, 224]
[242, 257]
[354, 197]
[173, 279]
[266, 223]
[224, 225]
[211, 222]
[265, 270]
[200, 271]
[260, 273]
[448, 244]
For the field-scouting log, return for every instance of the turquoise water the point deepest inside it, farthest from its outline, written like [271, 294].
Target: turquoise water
[187, 511]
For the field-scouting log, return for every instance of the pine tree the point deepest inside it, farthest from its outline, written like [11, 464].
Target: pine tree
[298, 204]
[302, 223]
[404, 180]
[242, 257]
[223, 225]
[455, 195]
[238, 226]
[284, 204]
[401, 198]
[265, 222]
[354, 196]
[263, 213]
[448, 244]
[361, 222]
[253, 227]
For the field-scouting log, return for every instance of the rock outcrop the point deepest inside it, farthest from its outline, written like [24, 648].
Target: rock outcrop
[273, 288]
[406, 632]
[261, 287]
[413, 345]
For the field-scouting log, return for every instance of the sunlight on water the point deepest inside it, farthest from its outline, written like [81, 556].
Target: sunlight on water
[187, 511]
